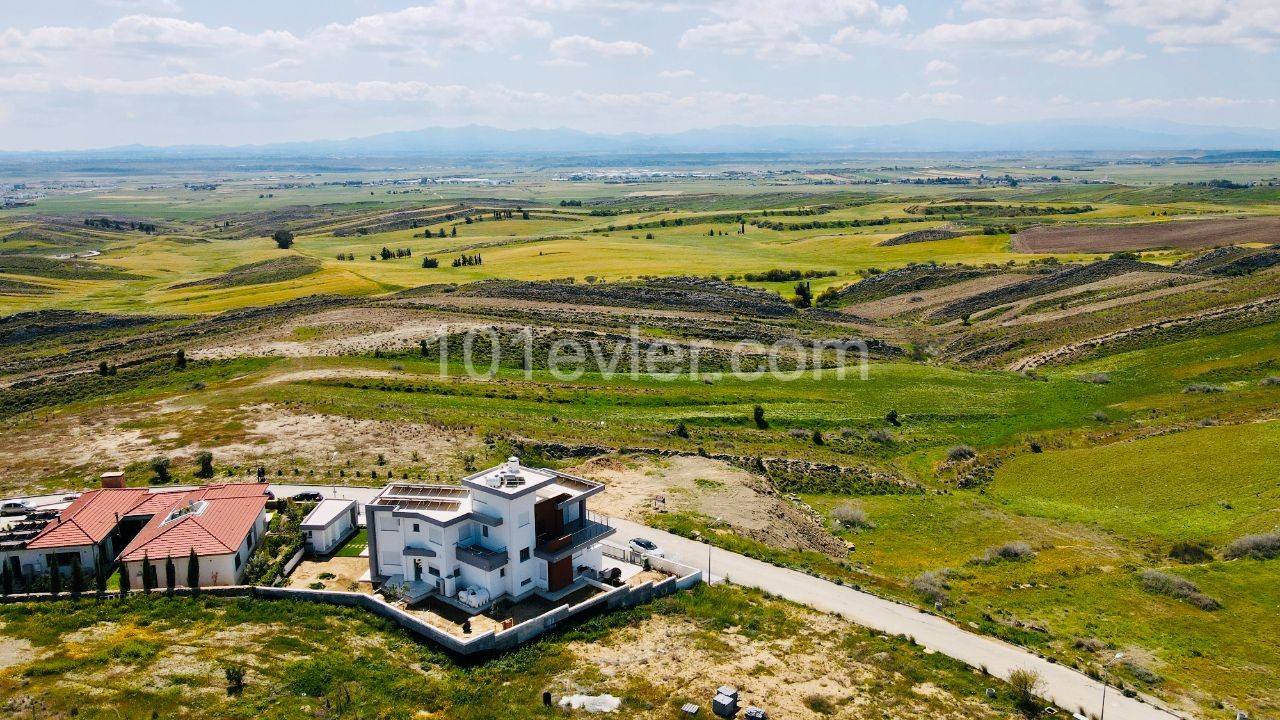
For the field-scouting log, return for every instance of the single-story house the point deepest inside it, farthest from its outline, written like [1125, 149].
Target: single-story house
[223, 524]
[328, 524]
[505, 532]
[93, 528]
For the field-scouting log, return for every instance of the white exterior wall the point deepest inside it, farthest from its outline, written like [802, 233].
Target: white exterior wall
[514, 536]
[389, 542]
[37, 560]
[322, 541]
[215, 570]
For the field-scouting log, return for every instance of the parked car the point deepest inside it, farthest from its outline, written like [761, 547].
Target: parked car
[71, 497]
[16, 507]
[308, 497]
[646, 547]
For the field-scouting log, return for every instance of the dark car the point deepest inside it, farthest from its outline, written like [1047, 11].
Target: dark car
[307, 497]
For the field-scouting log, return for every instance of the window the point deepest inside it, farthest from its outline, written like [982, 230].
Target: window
[525, 581]
[237, 561]
[415, 527]
[524, 555]
[502, 572]
[524, 519]
[484, 530]
[433, 571]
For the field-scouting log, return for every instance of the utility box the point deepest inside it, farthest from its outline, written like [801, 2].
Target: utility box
[724, 705]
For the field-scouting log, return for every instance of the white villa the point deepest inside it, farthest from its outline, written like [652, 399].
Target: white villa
[508, 531]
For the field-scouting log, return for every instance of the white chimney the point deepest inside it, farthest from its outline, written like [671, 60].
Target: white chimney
[513, 466]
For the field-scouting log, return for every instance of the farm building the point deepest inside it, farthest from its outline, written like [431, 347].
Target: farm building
[508, 531]
[222, 524]
[328, 524]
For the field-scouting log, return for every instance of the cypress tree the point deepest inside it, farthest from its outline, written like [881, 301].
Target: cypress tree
[193, 572]
[55, 575]
[124, 581]
[99, 575]
[170, 576]
[147, 584]
[77, 578]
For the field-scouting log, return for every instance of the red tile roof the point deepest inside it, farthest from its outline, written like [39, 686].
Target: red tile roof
[219, 528]
[89, 518]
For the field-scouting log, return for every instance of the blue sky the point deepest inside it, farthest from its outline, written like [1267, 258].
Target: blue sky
[93, 73]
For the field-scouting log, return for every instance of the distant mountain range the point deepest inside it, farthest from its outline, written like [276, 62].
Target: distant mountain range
[925, 136]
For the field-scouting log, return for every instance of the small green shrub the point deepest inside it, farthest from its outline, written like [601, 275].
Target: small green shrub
[820, 704]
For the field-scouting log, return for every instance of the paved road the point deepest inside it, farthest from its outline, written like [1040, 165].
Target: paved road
[1064, 686]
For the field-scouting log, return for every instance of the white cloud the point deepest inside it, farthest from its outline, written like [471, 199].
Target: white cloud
[1252, 25]
[168, 6]
[940, 67]
[934, 98]
[1151, 13]
[1029, 8]
[145, 32]
[997, 31]
[479, 26]
[1089, 58]
[780, 29]
[24, 84]
[577, 46]
[281, 64]
[895, 15]
[676, 74]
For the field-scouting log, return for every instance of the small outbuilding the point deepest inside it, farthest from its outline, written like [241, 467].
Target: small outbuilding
[330, 523]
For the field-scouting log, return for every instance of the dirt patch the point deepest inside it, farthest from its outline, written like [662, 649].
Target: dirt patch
[781, 675]
[1182, 234]
[344, 331]
[346, 572]
[15, 651]
[927, 299]
[716, 489]
[117, 437]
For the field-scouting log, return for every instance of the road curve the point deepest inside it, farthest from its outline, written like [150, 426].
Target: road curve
[1067, 688]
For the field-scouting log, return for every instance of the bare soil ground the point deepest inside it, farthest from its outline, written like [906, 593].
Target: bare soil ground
[120, 436]
[15, 651]
[783, 676]
[1182, 234]
[707, 487]
[344, 331]
[899, 304]
[346, 571]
